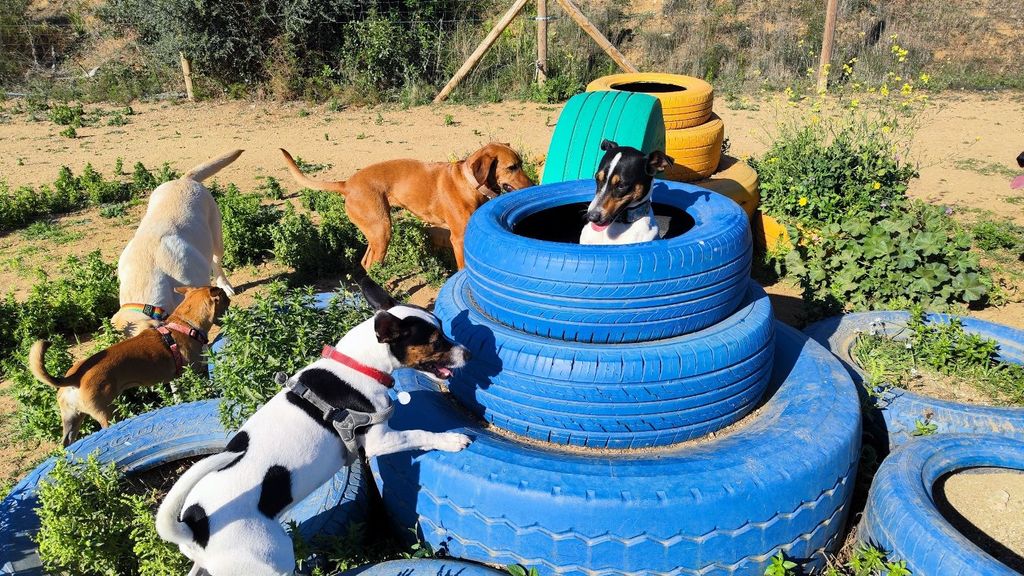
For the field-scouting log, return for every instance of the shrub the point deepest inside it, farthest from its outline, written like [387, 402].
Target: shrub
[69, 192]
[281, 331]
[92, 523]
[410, 253]
[247, 225]
[313, 251]
[891, 259]
[817, 176]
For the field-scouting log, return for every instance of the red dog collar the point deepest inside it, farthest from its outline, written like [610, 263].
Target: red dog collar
[382, 378]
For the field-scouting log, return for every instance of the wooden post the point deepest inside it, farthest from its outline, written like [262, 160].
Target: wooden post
[477, 54]
[186, 71]
[542, 41]
[827, 39]
[594, 33]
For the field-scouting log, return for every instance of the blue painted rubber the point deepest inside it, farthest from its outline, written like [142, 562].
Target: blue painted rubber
[610, 395]
[629, 119]
[609, 294]
[900, 409]
[723, 505]
[901, 517]
[155, 438]
[425, 567]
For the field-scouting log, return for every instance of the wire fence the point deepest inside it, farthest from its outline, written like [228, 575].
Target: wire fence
[406, 49]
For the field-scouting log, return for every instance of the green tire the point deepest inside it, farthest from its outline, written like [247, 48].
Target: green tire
[628, 118]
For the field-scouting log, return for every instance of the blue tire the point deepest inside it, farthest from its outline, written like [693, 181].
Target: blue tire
[899, 410]
[608, 294]
[901, 517]
[155, 438]
[724, 505]
[425, 567]
[610, 395]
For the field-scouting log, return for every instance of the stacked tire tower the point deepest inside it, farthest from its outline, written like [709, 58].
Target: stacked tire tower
[635, 409]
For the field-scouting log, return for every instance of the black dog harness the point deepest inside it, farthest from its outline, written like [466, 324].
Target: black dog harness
[345, 421]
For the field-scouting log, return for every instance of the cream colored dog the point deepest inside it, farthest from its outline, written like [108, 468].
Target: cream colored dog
[178, 243]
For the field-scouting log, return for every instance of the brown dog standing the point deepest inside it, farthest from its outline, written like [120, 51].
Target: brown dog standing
[440, 193]
[92, 384]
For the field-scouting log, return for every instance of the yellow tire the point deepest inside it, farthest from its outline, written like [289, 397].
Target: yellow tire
[685, 101]
[737, 180]
[695, 151]
[769, 234]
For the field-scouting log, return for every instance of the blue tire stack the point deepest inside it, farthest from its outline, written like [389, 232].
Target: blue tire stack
[635, 409]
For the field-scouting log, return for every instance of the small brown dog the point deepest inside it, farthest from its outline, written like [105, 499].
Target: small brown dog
[441, 193]
[155, 356]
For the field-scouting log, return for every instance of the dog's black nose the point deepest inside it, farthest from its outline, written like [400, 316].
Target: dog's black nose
[594, 217]
[1020, 160]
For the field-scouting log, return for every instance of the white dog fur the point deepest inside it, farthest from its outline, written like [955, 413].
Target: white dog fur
[244, 542]
[178, 243]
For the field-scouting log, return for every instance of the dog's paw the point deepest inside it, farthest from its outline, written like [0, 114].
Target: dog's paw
[452, 441]
[224, 285]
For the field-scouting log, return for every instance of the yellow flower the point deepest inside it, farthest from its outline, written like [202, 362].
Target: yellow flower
[884, 90]
[906, 89]
[925, 78]
[886, 129]
[803, 201]
[854, 103]
[876, 185]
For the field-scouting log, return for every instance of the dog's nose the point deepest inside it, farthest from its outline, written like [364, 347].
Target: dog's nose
[594, 216]
[1020, 160]
[466, 356]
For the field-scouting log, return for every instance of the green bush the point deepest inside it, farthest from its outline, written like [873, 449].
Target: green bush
[92, 524]
[410, 254]
[69, 192]
[907, 255]
[247, 225]
[818, 177]
[281, 331]
[317, 251]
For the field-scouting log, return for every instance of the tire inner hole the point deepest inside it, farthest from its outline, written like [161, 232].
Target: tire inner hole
[648, 87]
[564, 223]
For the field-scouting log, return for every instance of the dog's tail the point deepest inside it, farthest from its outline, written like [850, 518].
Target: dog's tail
[303, 180]
[37, 364]
[168, 523]
[204, 171]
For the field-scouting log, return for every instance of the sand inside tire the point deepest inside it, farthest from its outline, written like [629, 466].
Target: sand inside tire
[987, 506]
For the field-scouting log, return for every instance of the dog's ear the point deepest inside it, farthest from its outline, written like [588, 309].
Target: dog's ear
[657, 161]
[1020, 160]
[183, 290]
[505, 144]
[388, 327]
[378, 298]
[481, 164]
[218, 295]
[607, 145]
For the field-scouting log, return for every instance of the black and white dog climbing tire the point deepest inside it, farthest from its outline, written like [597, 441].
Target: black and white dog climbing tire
[778, 481]
[152, 439]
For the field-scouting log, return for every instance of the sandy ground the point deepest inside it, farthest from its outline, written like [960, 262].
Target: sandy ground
[987, 506]
[966, 149]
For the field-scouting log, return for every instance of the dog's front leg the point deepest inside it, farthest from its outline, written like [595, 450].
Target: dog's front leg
[381, 440]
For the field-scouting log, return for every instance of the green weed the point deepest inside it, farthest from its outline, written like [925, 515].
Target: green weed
[780, 566]
[985, 168]
[271, 188]
[310, 168]
[518, 570]
[943, 348]
[281, 331]
[924, 428]
[991, 235]
[50, 232]
[246, 224]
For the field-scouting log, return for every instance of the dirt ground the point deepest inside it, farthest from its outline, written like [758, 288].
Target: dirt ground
[966, 149]
[987, 505]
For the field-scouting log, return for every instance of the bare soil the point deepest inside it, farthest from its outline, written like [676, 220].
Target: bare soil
[966, 146]
[987, 506]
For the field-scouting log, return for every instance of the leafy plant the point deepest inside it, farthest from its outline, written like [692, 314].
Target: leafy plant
[90, 523]
[869, 561]
[893, 258]
[943, 347]
[924, 428]
[780, 566]
[281, 331]
[246, 224]
[271, 188]
[992, 235]
[518, 570]
[409, 254]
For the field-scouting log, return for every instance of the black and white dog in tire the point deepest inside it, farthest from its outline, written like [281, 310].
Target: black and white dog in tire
[222, 513]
